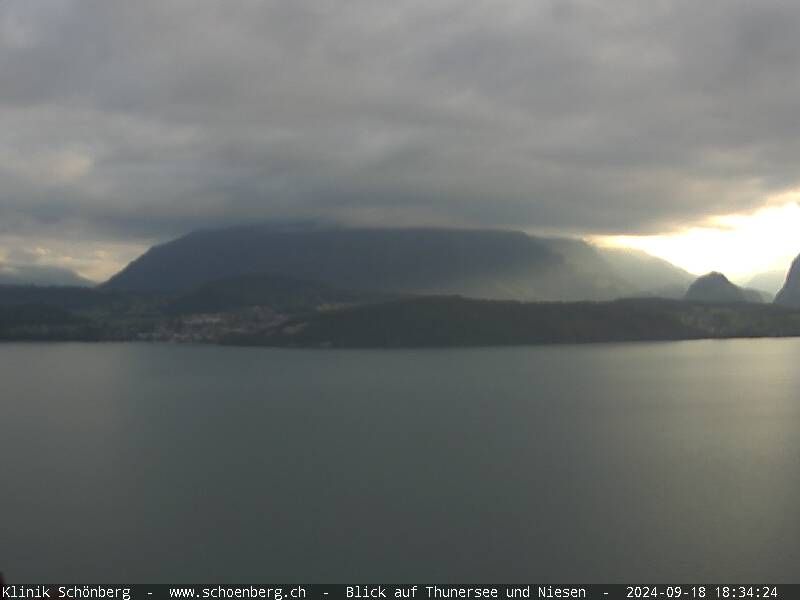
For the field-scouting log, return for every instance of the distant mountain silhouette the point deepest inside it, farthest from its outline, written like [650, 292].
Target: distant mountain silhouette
[770, 281]
[790, 293]
[14, 274]
[715, 287]
[476, 263]
[406, 260]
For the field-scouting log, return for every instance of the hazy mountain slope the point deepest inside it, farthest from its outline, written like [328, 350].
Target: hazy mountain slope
[475, 263]
[282, 294]
[479, 263]
[40, 275]
[715, 287]
[609, 273]
[790, 292]
[771, 281]
[585, 275]
[648, 274]
[756, 296]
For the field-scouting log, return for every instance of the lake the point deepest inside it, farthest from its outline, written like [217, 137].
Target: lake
[660, 463]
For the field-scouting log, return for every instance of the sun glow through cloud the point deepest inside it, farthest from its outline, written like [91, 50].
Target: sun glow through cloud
[739, 245]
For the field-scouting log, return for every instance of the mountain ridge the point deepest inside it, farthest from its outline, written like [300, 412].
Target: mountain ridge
[40, 275]
[488, 264]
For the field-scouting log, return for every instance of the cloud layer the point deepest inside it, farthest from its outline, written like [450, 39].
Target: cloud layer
[134, 121]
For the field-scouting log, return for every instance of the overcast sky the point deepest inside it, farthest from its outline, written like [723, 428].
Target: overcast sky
[128, 122]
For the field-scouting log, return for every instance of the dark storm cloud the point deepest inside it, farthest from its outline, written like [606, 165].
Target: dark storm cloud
[145, 119]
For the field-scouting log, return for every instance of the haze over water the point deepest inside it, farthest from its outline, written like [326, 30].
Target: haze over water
[669, 462]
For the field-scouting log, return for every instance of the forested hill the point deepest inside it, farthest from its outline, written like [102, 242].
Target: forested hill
[453, 321]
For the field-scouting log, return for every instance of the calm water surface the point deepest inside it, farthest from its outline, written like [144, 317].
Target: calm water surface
[671, 462]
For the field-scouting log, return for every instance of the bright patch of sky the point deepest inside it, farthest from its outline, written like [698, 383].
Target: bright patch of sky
[738, 245]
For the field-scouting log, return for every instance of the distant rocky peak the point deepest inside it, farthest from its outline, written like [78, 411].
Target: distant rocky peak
[715, 276]
[790, 293]
[715, 287]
